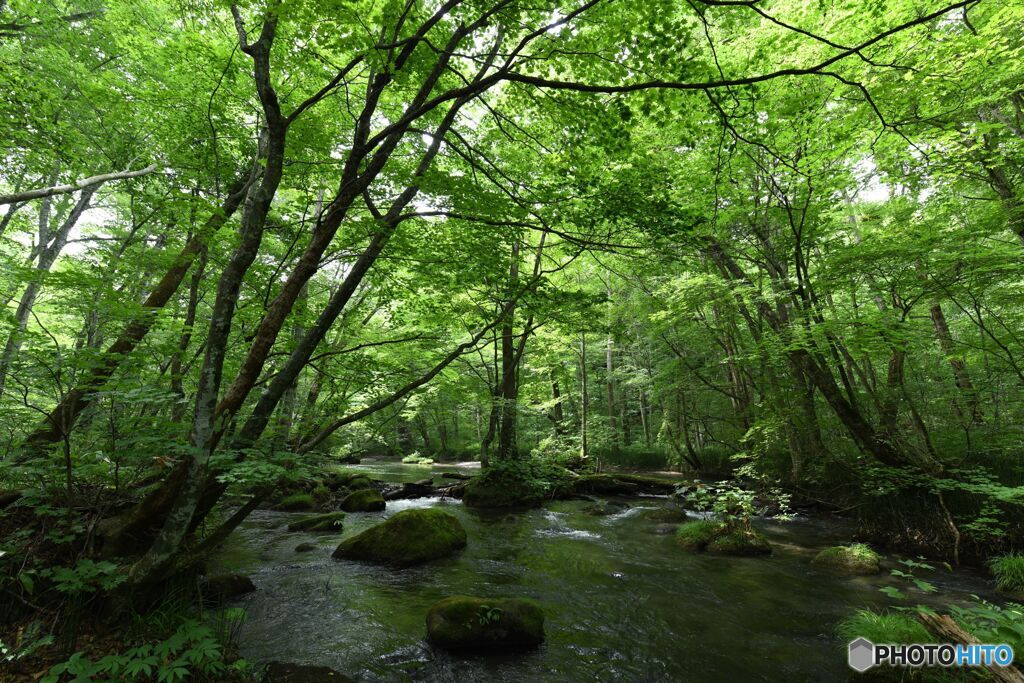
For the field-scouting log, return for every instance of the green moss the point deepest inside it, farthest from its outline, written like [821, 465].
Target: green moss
[360, 481]
[462, 622]
[321, 494]
[296, 502]
[741, 542]
[891, 627]
[697, 534]
[416, 459]
[410, 537]
[363, 500]
[340, 478]
[331, 521]
[855, 559]
[1009, 573]
[716, 537]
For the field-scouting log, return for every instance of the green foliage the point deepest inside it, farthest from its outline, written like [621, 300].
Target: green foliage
[883, 627]
[86, 576]
[991, 623]
[1009, 572]
[729, 503]
[192, 651]
[635, 457]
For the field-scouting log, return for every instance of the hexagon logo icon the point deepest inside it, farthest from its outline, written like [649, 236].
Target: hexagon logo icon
[861, 655]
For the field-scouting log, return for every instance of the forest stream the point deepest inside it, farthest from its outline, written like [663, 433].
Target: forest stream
[622, 601]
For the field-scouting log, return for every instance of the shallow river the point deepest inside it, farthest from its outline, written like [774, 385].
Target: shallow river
[622, 601]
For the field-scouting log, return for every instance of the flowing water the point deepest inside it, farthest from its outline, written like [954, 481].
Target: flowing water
[622, 601]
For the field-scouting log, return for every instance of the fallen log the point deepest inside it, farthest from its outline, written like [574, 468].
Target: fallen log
[946, 630]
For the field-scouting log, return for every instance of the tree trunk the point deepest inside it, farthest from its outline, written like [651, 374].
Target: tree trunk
[961, 376]
[508, 447]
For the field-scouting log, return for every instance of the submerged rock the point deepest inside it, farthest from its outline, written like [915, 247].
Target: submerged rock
[500, 492]
[470, 623]
[330, 521]
[410, 537]
[666, 515]
[851, 559]
[419, 489]
[281, 672]
[363, 500]
[603, 508]
[217, 589]
[305, 547]
[614, 484]
[716, 537]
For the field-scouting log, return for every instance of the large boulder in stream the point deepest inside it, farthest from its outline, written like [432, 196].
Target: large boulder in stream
[469, 623]
[848, 559]
[410, 537]
[330, 521]
[363, 500]
[719, 538]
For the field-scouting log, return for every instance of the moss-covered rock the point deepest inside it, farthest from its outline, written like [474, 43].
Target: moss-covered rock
[851, 559]
[297, 502]
[410, 537]
[363, 500]
[346, 479]
[697, 534]
[330, 521]
[716, 537]
[740, 542]
[470, 623]
[359, 482]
